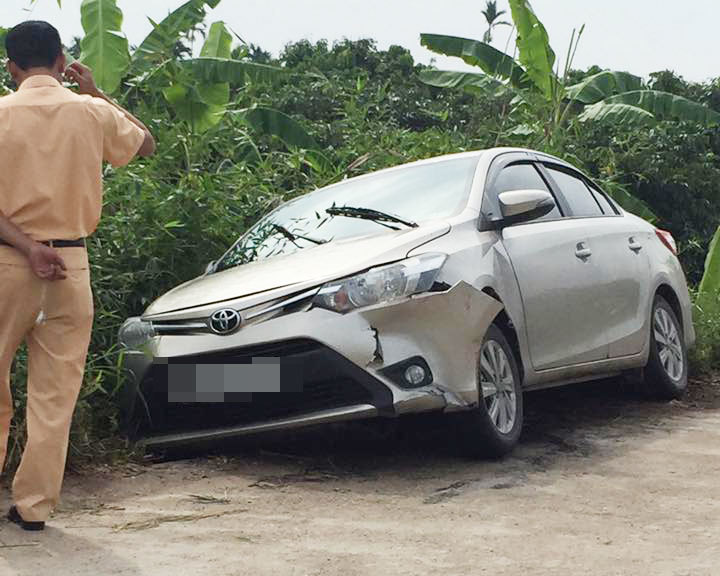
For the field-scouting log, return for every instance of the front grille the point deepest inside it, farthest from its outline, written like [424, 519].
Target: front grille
[328, 381]
[259, 313]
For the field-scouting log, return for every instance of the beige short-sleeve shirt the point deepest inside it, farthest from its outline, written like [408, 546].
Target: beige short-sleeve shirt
[52, 146]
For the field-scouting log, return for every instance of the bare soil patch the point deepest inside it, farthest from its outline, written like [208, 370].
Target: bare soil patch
[603, 482]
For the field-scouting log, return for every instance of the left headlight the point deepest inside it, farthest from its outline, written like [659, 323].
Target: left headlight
[381, 285]
[135, 332]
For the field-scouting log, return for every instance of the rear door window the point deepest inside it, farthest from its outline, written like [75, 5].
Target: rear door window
[605, 205]
[582, 202]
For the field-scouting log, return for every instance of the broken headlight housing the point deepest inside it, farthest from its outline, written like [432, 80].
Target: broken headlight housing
[381, 285]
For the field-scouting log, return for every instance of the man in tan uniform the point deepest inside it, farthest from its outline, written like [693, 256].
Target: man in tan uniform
[53, 142]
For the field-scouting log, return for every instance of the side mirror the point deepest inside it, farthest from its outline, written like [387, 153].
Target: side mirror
[210, 267]
[523, 206]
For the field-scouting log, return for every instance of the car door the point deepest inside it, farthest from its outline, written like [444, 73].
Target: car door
[619, 250]
[617, 245]
[559, 280]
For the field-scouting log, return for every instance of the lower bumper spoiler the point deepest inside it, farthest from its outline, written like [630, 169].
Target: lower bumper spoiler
[357, 412]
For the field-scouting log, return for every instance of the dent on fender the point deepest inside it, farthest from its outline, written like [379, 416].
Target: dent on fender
[447, 329]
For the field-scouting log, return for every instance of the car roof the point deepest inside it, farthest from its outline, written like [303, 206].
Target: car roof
[494, 152]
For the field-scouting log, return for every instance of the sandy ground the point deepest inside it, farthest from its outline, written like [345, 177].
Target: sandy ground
[602, 483]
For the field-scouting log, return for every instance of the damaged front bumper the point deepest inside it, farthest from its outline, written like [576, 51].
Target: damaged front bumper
[348, 367]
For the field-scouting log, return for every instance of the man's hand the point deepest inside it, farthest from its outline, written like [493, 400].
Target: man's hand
[46, 262]
[83, 77]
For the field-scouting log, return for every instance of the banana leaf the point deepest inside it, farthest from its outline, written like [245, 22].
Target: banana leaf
[233, 71]
[467, 80]
[631, 203]
[666, 106]
[603, 85]
[533, 44]
[160, 43]
[203, 104]
[709, 289]
[618, 113]
[104, 47]
[488, 59]
[268, 121]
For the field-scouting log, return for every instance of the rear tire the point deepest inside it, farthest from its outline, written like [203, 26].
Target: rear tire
[665, 375]
[493, 428]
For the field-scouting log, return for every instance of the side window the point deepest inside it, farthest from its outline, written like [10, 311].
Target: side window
[578, 195]
[603, 201]
[523, 177]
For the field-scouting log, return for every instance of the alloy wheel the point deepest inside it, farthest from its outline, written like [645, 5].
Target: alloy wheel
[498, 386]
[669, 346]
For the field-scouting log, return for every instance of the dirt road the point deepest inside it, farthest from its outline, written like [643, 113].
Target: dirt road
[603, 483]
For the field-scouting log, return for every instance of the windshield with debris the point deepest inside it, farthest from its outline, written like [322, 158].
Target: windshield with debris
[414, 194]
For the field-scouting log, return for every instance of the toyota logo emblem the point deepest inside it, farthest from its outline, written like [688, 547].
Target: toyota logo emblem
[225, 321]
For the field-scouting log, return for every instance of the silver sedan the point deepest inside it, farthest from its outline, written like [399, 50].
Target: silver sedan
[453, 284]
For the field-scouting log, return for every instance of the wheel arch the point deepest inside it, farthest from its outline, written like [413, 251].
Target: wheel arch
[503, 321]
[670, 296]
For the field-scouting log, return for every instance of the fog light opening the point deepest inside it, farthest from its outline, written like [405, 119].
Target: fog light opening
[415, 375]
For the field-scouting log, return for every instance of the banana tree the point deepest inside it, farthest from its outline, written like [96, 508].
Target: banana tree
[198, 89]
[708, 296]
[536, 85]
[541, 105]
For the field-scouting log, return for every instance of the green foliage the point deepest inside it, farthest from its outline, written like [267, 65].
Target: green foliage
[273, 122]
[200, 104]
[547, 104]
[597, 87]
[534, 47]
[708, 298]
[237, 72]
[650, 105]
[104, 47]
[467, 80]
[490, 60]
[160, 44]
[618, 112]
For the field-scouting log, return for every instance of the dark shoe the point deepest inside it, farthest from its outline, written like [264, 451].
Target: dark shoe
[14, 516]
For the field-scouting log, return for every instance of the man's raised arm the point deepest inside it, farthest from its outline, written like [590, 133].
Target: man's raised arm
[82, 75]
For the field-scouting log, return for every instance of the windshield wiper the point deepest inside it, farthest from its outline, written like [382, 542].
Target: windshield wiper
[292, 236]
[369, 214]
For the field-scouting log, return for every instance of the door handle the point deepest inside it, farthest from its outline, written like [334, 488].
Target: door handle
[582, 251]
[634, 245]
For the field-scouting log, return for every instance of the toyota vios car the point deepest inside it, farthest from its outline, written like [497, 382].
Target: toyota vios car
[453, 284]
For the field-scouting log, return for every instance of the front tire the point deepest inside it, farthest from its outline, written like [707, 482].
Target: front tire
[666, 372]
[493, 428]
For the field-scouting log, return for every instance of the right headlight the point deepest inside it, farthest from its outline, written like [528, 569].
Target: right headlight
[136, 332]
[381, 285]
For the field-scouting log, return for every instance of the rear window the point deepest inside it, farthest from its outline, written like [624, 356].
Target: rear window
[601, 199]
[582, 202]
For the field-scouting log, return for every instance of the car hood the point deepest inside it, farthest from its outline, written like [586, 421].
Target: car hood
[304, 269]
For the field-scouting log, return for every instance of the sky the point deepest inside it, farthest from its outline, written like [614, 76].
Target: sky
[639, 36]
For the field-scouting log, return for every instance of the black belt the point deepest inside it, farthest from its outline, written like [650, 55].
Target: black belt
[79, 243]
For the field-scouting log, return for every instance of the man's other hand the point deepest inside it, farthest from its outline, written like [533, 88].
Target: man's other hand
[83, 77]
[46, 262]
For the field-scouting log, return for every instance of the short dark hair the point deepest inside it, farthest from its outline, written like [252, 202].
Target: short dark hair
[33, 44]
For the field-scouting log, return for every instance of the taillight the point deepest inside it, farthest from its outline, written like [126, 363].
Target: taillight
[667, 239]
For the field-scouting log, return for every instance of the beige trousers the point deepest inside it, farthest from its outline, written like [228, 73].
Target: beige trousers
[57, 350]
